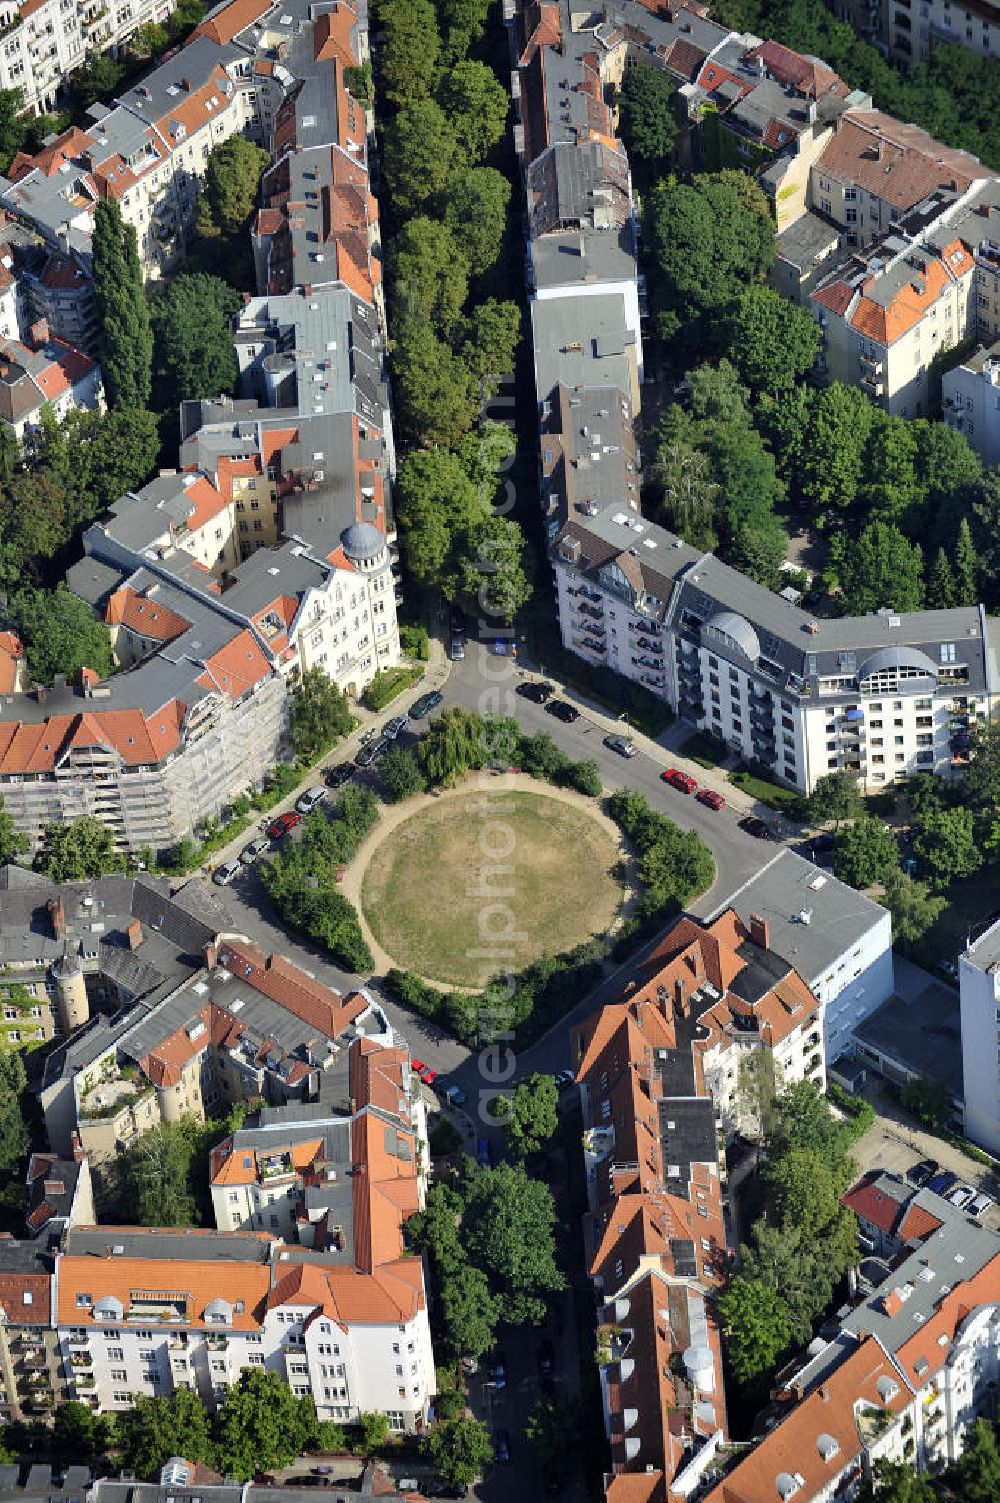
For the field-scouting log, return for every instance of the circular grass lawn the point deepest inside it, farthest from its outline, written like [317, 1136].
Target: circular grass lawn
[487, 882]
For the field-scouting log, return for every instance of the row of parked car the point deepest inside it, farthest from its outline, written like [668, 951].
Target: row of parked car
[944, 1182]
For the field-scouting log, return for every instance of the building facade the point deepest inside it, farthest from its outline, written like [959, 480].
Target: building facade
[979, 986]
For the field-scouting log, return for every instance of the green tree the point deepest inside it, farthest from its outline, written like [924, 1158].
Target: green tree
[757, 1085]
[646, 121]
[758, 1328]
[690, 496]
[34, 524]
[435, 500]
[865, 853]
[890, 487]
[470, 1312]
[491, 337]
[975, 1476]
[484, 454]
[12, 842]
[435, 389]
[420, 153]
[771, 342]
[435, 1229]
[896, 1482]
[318, 715]
[410, 48]
[126, 333]
[507, 1229]
[75, 1432]
[491, 576]
[966, 566]
[61, 635]
[153, 1176]
[193, 341]
[96, 79]
[401, 774]
[92, 459]
[553, 1431]
[981, 785]
[230, 187]
[945, 845]
[430, 279]
[530, 1113]
[759, 552]
[155, 1429]
[838, 422]
[374, 1427]
[804, 1191]
[912, 906]
[460, 1450]
[980, 500]
[834, 798]
[361, 84]
[14, 1142]
[880, 568]
[476, 104]
[72, 852]
[453, 745]
[709, 238]
[928, 1100]
[475, 203]
[940, 583]
[262, 1424]
[13, 126]
[462, 23]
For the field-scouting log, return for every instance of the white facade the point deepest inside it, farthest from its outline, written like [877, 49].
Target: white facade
[970, 402]
[50, 40]
[859, 983]
[979, 985]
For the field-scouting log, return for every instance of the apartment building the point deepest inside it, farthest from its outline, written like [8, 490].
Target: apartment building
[838, 940]
[60, 1194]
[979, 987]
[150, 1312]
[909, 1370]
[176, 1474]
[44, 374]
[655, 1242]
[243, 1026]
[44, 41]
[970, 401]
[909, 31]
[32, 1381]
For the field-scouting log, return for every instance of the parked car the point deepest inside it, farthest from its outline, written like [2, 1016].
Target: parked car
[751, 825]
[501, 1446]
[962, 1196]
[564, 1079]
[457, 649]
[252, 852]
[679, 780]
[427, 1075]
[337, 776]
[453, 1095]
[280, 827]
[537, 690]
[457, 622]
[710, 799]
[503, 647]
[373, 753]
[922, 1172]
[943, 1184]
[311, 799]
[483, 1155]
[392, 727]
[425, 704]
[623, 745]
[225, 873]
[980, 1205]
[497, 1369]
[546, 1358]
[562, 711]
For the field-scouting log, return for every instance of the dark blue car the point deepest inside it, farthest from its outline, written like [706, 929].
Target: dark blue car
[942, 1184]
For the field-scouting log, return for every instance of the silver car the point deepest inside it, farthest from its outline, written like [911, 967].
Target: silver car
[250, 853]
[311, 799]
[622, 745]
[225, 873]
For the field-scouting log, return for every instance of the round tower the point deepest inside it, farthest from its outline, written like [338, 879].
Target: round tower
[71, 992]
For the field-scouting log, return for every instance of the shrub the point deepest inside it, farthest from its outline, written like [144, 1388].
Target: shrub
[415, 642]
[384, 687]
[584, 776]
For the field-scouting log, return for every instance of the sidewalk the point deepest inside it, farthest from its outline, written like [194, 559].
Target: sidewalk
[436, 673]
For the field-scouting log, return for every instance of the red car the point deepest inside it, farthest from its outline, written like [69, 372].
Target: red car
[679, 780]
[284, 822]
[427, 1075]
[711, 799]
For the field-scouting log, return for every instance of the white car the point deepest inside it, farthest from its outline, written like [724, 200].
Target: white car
[225, 873]
[961, 1196]
[311, 799]
[980, 1205]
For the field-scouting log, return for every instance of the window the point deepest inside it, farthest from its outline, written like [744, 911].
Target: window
[119, 1375]
[84, 1301]
[121, 1396]
[116, 1354]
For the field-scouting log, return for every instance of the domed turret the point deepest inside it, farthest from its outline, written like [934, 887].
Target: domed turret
[71, 992]
[362, 542]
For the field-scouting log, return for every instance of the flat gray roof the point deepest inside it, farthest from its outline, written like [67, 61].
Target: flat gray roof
[922, 1035]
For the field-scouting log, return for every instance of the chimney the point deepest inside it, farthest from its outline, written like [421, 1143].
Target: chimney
[696, 961]
[186, 85]
[760, 933]
[210, 955]
[39, 333]
[679, 990]
[57, 917]
[133, 934]
[89, 678]
[78, 1151]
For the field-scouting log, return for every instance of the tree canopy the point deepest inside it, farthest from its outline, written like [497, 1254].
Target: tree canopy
[476, 103]
[865, 852]
[646, 121]
[193, 340]
[84, 847]
[318, 714]
[126, 333]
[530, 1113]
[262, 1424]
[61, 634]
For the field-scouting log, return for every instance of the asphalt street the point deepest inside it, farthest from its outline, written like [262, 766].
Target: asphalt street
[487, 683]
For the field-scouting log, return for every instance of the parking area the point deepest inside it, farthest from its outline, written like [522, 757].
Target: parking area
[897, 1142]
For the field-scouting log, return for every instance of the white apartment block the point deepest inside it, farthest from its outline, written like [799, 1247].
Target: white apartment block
[44, 41]
[908, 30]
[839, 941]
[152, 1312]
[970, 402]
[879, 696]
[979, 985]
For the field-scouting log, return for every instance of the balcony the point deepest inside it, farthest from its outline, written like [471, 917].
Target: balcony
[84, 1383]
[178, 1342]
[79, 1341]
[873, 385]
[81, 1362]
[217, 1343]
